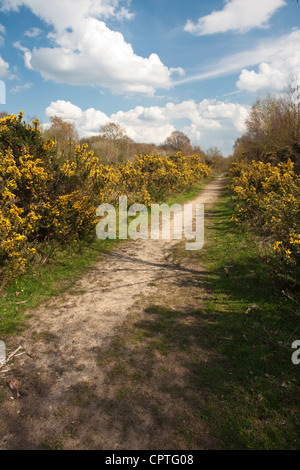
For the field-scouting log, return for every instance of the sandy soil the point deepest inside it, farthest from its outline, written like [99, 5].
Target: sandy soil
[64, 337]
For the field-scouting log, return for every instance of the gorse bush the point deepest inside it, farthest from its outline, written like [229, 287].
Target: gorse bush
[150, 178]
[16, 135]
[42, 197]
[47, 196]
[269, 197]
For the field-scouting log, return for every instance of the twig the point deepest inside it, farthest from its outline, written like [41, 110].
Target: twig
[23, 302]
[21, 354]
[13, 354]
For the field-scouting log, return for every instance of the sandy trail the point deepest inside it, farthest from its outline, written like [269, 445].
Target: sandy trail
[69, 330]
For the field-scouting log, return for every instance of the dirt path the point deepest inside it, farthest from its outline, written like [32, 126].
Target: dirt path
[65, 336]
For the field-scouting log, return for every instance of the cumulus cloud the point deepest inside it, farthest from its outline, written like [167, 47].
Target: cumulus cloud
[87, 122]
[266, 77]
[92, 54]
[65, 110]
[70, 13]
[272, 76]
[276, 58]
[207, 121]
[280, 61]
[84, 51]
[237, 15]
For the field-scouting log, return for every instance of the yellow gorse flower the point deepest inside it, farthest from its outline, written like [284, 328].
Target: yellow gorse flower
[46, 196]
[269, 196]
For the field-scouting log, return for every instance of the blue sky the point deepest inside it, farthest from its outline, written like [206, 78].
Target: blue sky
[152, 66]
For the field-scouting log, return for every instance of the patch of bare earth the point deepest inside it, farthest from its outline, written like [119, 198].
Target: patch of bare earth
[110, 367]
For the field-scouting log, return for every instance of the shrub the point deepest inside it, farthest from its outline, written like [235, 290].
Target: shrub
[46, 196]
[269, 197]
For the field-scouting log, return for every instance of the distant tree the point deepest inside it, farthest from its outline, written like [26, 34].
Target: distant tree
[115, 135]
[113, 131]
[273, 129]
[178, 142]
[198, 151]
[214, 152]
[137, 148]
[3, 114]
[64, 132]
[215, 159]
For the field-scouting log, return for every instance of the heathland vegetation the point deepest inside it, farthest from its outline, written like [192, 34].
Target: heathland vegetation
[51, 185]
[51, 181]
[265, 181]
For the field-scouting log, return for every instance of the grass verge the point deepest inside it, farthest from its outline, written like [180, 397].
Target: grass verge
[254, 405]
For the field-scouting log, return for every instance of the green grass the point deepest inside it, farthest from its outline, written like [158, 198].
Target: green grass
[50, 443]
[254, 400]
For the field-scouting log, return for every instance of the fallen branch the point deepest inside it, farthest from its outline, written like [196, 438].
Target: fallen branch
[13, 354]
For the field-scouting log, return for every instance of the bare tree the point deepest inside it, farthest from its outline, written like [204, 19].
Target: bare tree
[64, 132]
[117, 138]
[215, 160]
[113, 131]
[178, 142]
[273, 129]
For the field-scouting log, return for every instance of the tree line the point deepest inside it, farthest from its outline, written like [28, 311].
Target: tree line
[272, 129]
[113, 146]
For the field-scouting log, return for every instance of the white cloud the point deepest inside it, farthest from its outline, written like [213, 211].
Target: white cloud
[87, 52]
[69, 13]
[225, 112]
[124, 14]
[280, 54]
[33, 32]
[277, 66]
[209, 122]
[237, 15]
[65, 110]
[87, 122]
[19, 88]
[94, 55]
[267, 77]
